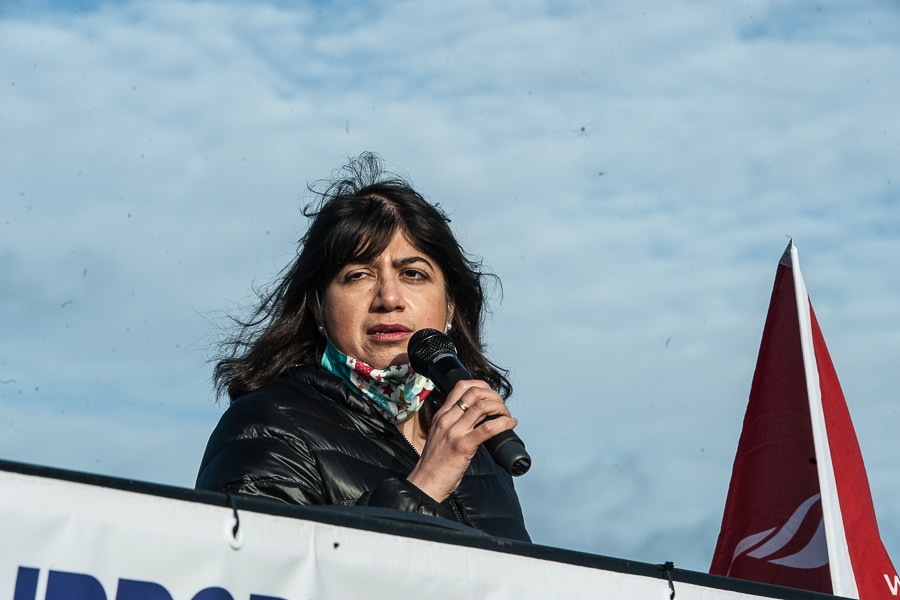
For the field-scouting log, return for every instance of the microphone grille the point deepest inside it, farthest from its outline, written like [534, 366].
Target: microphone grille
[424, 344]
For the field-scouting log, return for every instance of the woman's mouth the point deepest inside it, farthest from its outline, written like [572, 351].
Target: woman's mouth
[389, 333]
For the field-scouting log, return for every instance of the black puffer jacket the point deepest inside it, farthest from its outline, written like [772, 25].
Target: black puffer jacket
[306, 439]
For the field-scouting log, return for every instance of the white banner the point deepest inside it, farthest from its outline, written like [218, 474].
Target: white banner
[65, 540]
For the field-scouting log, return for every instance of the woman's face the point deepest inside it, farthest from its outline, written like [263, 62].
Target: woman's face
[371, 309]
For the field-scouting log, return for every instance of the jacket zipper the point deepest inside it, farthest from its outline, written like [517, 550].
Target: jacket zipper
[409, 443]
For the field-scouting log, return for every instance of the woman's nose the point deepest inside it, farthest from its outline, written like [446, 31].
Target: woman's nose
[388, 295]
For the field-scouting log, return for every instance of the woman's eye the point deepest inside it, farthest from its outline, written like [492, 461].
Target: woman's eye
[416, 275]
[355, 275]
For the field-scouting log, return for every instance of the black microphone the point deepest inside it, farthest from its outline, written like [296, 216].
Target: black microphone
[433, 354]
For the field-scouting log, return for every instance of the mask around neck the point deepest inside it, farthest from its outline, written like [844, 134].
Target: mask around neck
[397, 392]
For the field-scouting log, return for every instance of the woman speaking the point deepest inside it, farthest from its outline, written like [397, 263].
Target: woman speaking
[325, 407]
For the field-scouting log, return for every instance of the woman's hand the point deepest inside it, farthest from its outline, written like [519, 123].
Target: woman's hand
[456, 434]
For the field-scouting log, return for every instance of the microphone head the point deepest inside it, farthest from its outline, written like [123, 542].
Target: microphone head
[424, 345]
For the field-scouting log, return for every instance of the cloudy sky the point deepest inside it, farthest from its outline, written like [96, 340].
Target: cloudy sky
[631, 170]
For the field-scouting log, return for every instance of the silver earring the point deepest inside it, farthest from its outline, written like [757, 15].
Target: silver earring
[321, 316]
[449, 326]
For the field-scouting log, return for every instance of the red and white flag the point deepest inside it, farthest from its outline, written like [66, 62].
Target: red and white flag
[799, 511]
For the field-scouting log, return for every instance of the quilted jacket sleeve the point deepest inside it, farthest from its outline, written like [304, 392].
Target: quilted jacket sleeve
[402, 495]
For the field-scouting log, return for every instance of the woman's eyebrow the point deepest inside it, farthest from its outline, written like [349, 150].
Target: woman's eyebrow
[411, 260]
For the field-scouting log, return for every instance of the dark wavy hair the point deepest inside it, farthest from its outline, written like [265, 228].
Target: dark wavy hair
[353, 220]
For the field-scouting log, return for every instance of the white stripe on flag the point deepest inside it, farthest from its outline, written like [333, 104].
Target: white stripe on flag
[843, 580]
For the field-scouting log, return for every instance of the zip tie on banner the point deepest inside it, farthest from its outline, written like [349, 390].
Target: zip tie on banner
[233, 533]
[667, 568]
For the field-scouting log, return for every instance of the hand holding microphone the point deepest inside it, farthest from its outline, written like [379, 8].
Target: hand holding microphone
[433, 354]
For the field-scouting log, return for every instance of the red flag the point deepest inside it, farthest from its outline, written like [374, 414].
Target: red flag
[799, 512]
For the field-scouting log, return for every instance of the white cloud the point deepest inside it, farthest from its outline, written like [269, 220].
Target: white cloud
[156, 153]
